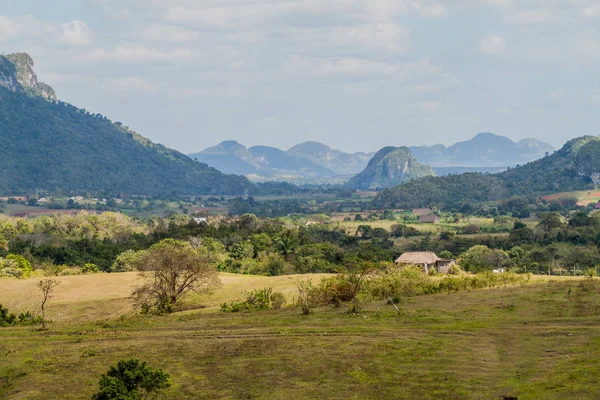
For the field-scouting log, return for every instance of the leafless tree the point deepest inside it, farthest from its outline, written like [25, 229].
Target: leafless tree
[172, 269]
[47, 287]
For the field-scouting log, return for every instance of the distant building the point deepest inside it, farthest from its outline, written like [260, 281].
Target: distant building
[429, 219]
[422, 211]
[201, 220]
[598, 205]
[427, 260]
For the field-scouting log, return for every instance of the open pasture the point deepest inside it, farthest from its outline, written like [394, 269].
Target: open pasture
[538, 341]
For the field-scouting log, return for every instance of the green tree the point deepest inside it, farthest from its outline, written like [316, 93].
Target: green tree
[131, 380]
[481, 258]
[22, 264]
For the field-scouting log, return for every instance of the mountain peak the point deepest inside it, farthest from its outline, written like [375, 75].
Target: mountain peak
[17, 74]
[389, 167]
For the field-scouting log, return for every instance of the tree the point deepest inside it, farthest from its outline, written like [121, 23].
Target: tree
[481, 258]
[131, 380]
[47, 287]
[172, 269]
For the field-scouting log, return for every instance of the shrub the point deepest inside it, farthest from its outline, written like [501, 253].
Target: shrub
[15, 266]
[6, 318]
[90, 269]
[131, 380]
[259, 299]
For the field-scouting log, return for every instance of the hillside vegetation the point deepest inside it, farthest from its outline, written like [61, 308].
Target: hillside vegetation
[574, 167]
[56, 146]
[389, 167]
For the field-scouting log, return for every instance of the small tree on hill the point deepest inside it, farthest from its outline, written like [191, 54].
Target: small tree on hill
[131, 380]
[172, 269]
[47, 287]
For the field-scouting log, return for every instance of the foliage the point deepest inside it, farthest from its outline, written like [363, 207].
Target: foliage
[131, 379]
[21, 263]
[389, 167]
[259, 299]
[68, 148]
[90, 269]
[172, 269]
[570, 168]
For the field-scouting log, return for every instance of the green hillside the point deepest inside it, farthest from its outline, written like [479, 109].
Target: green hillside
[574, 167]
[389, 167]
[49, 145]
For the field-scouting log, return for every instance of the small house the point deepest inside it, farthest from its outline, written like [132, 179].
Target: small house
[427, 260]
[429, 219]
[598, 206]
[421, 211]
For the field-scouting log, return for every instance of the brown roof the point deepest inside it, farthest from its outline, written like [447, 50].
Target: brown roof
[421, 211]
[419, 257]
[428, 218]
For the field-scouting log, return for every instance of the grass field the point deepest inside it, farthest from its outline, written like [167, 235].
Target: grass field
[583, 197]
[540, 341]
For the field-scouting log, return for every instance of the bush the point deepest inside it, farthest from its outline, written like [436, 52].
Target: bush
[131, 380]
[90, 269]
[259, 299]
[15, 266]
[6, 318]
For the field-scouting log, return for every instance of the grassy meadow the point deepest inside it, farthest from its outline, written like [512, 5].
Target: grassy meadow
[534, 341]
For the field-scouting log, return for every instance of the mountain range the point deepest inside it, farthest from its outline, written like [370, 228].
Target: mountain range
[306, 160]
[486, 152]
[51, 145]
[576, 166]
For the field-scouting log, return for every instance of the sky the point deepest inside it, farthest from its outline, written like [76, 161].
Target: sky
[356, 75]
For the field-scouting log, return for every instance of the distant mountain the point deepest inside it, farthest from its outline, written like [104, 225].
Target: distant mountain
[310, 160]
[574, 167]
[229, 157]
[339, 162]
[390, 167]
[279, 161]
[486, 150]
[51, 145]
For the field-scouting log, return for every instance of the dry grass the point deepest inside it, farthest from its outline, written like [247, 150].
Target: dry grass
[104, 296]
[540, 341]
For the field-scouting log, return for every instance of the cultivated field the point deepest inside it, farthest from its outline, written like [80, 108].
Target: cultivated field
[539, 341]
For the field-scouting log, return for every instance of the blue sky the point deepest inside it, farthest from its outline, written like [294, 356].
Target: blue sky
[355, 74]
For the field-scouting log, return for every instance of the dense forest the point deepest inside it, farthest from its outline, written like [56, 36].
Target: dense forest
[56, 146]
[251, 245]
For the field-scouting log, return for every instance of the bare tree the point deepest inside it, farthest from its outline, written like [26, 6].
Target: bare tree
[47, 287]
[172, 269]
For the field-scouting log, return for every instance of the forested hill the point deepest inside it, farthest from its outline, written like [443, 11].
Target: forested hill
[574, 167]
[53, 145]
[389, 167]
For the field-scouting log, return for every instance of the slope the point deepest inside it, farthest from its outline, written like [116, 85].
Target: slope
[389, 167]
[574, 167]
[55, 146]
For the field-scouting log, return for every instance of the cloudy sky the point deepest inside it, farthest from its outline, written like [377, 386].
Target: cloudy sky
[354, 74]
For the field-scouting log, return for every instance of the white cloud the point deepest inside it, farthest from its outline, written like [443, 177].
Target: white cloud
[385, 36]
[533, 16]
[137, 54]
[131, 84]
[76, 33]
[492, 44]
[591, 11]
[17, 26]
[168, 33]
[431, 10]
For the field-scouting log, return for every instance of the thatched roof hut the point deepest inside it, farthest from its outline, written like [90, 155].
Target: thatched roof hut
[425, 259]
[418, 258]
